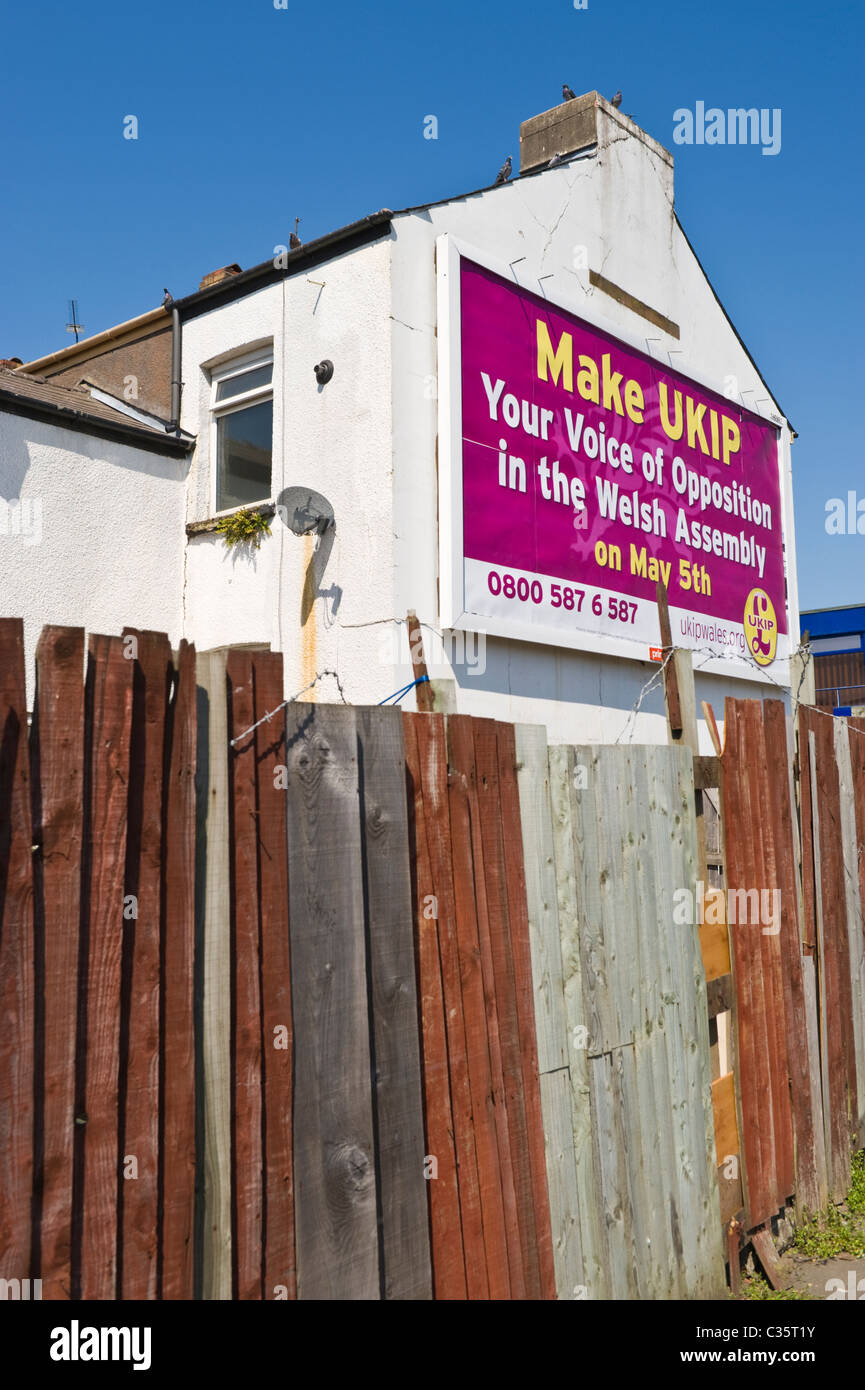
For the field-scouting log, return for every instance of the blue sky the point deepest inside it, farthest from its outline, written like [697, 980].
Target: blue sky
[250, 116]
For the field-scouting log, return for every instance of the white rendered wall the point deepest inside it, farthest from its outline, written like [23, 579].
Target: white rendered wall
[107, 548]
[334, 438]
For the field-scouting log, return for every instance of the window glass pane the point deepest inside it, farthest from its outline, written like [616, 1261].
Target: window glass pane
[244, 445]
[244, 381]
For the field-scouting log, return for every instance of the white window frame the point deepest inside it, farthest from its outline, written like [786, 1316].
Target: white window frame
[235, 367]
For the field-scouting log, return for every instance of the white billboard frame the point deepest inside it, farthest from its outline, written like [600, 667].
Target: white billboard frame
[453, 615]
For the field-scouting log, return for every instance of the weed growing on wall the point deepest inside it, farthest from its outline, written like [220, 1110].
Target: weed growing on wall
[243, 528]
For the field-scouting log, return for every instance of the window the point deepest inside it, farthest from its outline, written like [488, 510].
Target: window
[243, 429]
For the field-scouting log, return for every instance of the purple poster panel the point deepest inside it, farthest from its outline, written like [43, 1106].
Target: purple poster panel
[590, 471]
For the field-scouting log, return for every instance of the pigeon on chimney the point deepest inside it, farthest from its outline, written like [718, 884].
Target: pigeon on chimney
[168, 300]
[505, 172]
[294, 240]
[567, 94]
[616, 100]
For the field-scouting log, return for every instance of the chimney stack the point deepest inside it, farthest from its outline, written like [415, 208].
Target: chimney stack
[225, 272]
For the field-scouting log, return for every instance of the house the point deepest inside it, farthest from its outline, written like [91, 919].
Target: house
[92, 501]
[513, 411]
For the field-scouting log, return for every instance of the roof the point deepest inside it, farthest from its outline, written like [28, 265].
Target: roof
[347, 238]
[141, 326]
[73, 407]
[833, 622]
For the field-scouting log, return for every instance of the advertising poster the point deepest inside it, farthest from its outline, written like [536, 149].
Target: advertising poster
[588, 471]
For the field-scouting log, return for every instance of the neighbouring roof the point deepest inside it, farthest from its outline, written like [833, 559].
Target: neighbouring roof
[73, 407]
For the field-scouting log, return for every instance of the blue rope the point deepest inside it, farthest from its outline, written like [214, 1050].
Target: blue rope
[398, 694]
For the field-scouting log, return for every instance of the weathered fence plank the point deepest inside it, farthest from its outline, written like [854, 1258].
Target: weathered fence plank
[796, 1030]
[402, 1193]
[247, 1155]
[548, 1004]
[524, 992]
[850, 856]
[448, 1255]
[522, 1249]
[335, 1183]
[429, 731]
[58, 778]
[150, 657]
[567, 834]
[468, 883]
[214, 934]
[177, 1067]
[277, 1028]
[761, 1083]
[109, 717]
[837, 1038]
[17, 985]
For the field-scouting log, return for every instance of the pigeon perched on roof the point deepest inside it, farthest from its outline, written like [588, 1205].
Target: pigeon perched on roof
[616, 100]
[505, 172]
[567, 94]
[294, 240]
[168, 300]
[556, 159]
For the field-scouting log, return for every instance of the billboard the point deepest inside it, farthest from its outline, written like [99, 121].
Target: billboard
[577, 471]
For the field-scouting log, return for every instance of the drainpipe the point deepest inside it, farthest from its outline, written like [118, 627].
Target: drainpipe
[174, 424]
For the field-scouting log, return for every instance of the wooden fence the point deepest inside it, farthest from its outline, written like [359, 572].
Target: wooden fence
[309, 1001]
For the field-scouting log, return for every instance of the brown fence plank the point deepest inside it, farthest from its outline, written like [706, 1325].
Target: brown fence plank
[109, 721]
[142, 935]
[337, 1236]
[432, 758]
[403, 1204]
[752, 1042]
[468, 883]
[768, 882]
[523, 1246]
[246, 1044]
[177, 1056]
[448, 1257]
[277, 1029]
[17, 997]
[58, 771]
[796, 1031]
[522, 963]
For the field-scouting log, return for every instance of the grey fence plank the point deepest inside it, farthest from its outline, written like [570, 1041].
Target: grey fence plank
[578, 1023]
[549, 1007]
[403, 1188]
[540, 864]
[662, 1263]
[216, 1007]
[335, 1183]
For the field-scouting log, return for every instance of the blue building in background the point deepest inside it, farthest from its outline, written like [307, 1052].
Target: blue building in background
[838, 647]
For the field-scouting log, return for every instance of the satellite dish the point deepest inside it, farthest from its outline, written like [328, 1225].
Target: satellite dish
[304, 511]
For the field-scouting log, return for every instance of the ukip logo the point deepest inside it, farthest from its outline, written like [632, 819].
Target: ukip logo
[761, 627]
